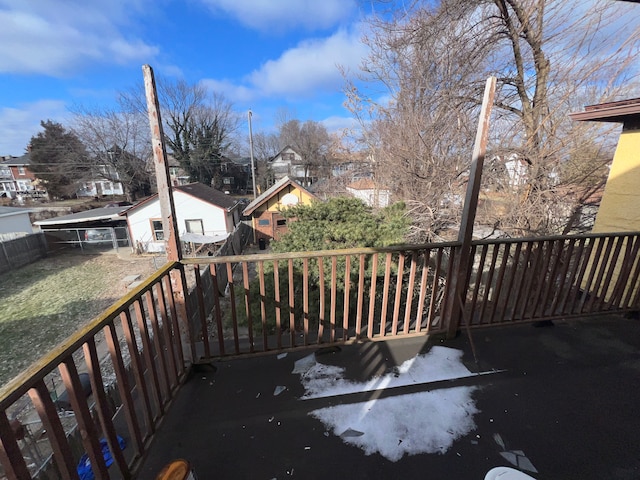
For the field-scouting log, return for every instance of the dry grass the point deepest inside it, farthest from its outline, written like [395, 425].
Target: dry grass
[41, 303]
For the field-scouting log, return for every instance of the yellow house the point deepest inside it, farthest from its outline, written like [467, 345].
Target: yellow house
[620, 206]
[265, 210]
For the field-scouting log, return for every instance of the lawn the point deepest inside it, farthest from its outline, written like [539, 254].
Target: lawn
[42, 303]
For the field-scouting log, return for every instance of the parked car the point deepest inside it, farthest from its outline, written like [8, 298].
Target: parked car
[98, 235]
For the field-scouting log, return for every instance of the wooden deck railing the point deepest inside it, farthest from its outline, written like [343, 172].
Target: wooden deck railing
[137, 354]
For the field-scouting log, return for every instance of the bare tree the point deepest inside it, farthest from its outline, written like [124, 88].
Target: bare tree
[433, 60]
[311, 140]
[200, 126]
[119, 147]
[265, 147]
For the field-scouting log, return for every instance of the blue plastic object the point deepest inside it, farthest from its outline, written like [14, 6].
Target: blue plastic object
[85, 472]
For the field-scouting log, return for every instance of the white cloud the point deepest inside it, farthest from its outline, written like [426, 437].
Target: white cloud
[309, 69]
[338, 124]
[18, 125]
[280, 15]
[312, 65]
[54, 38]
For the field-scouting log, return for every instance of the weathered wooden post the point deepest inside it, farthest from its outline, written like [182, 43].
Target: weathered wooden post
[167, 207]
[462, 258]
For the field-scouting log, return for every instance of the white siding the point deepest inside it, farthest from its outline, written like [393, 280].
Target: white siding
[215, 220]
[18, 223]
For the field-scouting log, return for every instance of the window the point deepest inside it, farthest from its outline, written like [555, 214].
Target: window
[264, 222]
[194, 226]
[156, 227]
[281, 221]
[22, 171]
[228, 180]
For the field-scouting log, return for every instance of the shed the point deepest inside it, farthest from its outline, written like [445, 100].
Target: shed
[266, 219]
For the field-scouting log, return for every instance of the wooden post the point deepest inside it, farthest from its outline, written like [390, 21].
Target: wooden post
[462, 261]
[167, 208]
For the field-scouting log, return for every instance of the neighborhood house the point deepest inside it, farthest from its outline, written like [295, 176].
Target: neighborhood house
[203, 215]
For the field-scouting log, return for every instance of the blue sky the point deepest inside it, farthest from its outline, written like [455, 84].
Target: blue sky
[263, 55]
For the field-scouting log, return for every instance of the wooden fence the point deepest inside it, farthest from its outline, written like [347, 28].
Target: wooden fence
[19, 252]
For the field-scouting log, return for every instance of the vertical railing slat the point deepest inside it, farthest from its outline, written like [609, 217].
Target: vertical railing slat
[486, 297]
[102, 406]
[321, 305]
[347, 292]
[385, 295]
[159, 366]
[138, 370]
[263, 307]
[423, 290]
[435, 291]
[124, 389]
[247, 304]
[409, 301]
[147, 353]
[15, 468]
[332, 314]
[86, 427]
[610, 270]
[398, 296]
[582, 262]
[177, 335]
[305, 300]
[276, 297]
[41, 399]
[292, 312]
[204, 333]
[360, 302]
[631, 285]
[216, 308]
[234, 312]
[478, 281]
[371, 319]
[501, 274]
[167, 338]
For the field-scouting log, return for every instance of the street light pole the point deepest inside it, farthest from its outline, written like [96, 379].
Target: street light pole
[253, 170]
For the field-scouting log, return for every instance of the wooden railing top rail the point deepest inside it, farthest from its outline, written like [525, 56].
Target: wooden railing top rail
[314, 254]
[19, 385]
[493, 241]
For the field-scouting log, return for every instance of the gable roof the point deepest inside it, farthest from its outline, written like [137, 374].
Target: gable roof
[287, 147]
[10, 211]
[17, 161]
[275, 188]
[92, 215]
[199, 191]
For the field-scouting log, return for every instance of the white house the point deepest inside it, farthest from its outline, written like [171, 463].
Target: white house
[100, 186]
[288, 163]
[14, 222]
[203, 215]
[370, 193]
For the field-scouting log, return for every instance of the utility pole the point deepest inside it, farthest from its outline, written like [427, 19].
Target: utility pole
[253, 169]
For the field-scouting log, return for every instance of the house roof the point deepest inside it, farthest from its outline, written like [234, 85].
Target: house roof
[365, 184]
[199, 191]
[610, 112]
[275, 188]
[104, 213]
[17, 161]
[9, 211]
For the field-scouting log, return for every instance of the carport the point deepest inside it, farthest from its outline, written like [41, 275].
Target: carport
[107, 225]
